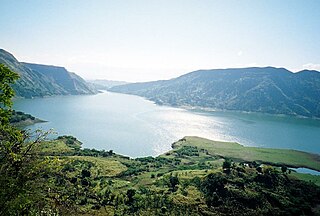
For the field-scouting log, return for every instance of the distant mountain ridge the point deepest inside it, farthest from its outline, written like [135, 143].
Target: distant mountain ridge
[268, 90]
[44, 80]
[102, 84]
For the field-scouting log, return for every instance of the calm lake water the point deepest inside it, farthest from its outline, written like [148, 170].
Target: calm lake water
[133, 126]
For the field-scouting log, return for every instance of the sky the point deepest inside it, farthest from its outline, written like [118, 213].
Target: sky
[143, 40]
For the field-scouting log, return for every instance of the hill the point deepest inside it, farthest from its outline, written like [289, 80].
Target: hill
[105, 84]
[71, 82]
[43, 80]
[267, 90]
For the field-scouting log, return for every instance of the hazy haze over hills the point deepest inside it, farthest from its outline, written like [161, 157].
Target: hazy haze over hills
[103, 84]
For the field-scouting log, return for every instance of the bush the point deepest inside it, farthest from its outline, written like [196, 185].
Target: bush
[85, 173]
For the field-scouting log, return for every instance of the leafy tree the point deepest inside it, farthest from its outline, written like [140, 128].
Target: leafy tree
[214, 189]
[259, 169]
[227, 163]
[284, 169]
[7, 78]
[130, 196]
[174, 181]
[20, 165]
[85, 173]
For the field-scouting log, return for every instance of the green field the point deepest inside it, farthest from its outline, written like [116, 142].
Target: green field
[290, 158]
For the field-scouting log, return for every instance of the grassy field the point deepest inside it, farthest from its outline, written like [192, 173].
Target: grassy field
[307, 177]
[103, 166]
[290, 158]
[57, 146]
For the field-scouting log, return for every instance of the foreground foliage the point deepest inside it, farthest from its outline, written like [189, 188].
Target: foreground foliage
[185, 181]
[21, 166]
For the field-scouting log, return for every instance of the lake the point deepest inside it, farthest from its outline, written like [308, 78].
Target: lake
[133, 126]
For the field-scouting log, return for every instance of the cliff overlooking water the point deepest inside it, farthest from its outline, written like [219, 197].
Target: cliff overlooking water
[44, 80]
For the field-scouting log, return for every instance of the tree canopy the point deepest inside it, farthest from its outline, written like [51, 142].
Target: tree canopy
[7, 78]
[20, 165]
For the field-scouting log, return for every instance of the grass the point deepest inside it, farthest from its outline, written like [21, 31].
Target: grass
[291, 158]
[103, 166]
[307, 177]
[56, 146]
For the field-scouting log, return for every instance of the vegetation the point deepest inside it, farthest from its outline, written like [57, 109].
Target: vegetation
[185, 181]
[198, 177]
[7, 77]
[21, 119]
[266, 90]
[69, 82]
[21, 167]
[237, 152]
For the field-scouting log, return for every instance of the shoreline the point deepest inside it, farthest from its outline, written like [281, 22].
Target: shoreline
[270, 156]
[28, 122]
[210, 109]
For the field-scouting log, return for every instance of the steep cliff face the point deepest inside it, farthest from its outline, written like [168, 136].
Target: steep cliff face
[43, 80]
[269, 90]
[70, 82]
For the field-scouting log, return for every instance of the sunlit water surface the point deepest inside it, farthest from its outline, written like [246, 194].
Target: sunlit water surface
[133, 126]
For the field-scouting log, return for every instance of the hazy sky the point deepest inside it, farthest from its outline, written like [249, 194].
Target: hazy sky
[138, 40]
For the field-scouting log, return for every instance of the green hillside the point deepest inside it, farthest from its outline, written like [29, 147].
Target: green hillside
[240, 153]
[70, 82]
[43, 80]
[267, 90]
[196, 178]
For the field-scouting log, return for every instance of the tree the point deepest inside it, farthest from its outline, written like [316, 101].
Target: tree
[227, 163]
[7, 78]
[284, 169]
[85, 173]
[20, 165]
[259, 169]
[174, 181]
[130, 196]
[213, 187]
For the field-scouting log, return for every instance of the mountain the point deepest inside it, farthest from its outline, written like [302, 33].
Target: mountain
[267, 90]
[44, 80]
[105, 84]
[70, 82]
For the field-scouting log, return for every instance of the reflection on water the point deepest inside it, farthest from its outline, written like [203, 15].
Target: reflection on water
[136, 127]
